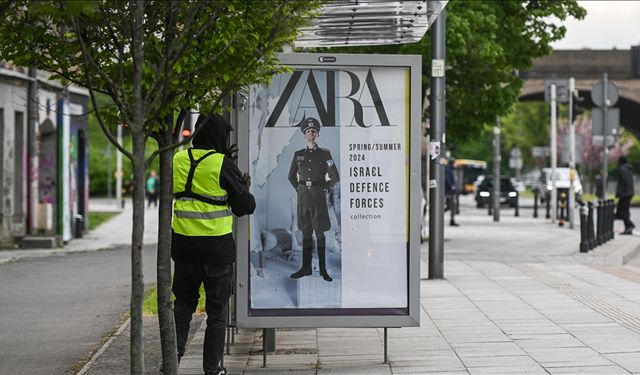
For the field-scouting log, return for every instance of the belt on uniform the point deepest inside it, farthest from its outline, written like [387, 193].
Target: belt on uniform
[313, 183]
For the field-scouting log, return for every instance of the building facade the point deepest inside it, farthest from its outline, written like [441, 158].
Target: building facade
[43, 154]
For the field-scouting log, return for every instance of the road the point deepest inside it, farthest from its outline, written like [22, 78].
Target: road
[56, 309]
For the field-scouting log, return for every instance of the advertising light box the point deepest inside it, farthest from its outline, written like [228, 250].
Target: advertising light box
[333, 151]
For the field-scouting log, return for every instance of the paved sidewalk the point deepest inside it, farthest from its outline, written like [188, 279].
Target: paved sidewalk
[517, 298]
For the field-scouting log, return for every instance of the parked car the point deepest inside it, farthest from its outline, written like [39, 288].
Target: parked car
[562, 183]
[508, 192]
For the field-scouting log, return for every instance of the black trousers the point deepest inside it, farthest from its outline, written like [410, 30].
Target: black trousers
[218, 284]
[622, 212]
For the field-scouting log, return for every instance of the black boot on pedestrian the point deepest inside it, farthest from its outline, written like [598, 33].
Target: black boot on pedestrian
[305, 269]
[322, 260]
[454, 224]
[219, 371]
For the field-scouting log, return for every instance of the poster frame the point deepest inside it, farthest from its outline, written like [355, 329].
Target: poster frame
[412, 317]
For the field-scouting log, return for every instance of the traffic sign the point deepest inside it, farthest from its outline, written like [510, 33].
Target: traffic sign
[597, 140]
[515, 163]
[565, 149]
[597, 93]
[613, 121]
[562, 90]
[540, 151]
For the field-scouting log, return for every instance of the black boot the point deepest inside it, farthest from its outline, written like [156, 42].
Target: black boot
[322, 260]
[305, 270]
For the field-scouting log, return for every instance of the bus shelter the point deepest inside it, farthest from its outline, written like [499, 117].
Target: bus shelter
[367, 111]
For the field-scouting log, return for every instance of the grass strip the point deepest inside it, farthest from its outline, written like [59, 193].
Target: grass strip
[150, 306]
[97, 218]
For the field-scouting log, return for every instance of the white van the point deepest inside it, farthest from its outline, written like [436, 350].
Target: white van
[562, 183]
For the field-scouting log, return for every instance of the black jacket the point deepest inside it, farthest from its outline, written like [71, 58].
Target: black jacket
[625, 181]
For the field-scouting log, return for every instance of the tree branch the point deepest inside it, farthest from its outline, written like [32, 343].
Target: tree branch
[85, 55]
[89, 61]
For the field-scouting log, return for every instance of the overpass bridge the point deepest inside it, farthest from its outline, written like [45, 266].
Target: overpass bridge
[587, 67]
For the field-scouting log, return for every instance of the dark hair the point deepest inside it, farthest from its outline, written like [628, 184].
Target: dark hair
[622, 160]
[214, 133]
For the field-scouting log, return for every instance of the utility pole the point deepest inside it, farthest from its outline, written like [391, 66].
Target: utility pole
[436, 144]
[572, 152]
[605, 144]
[119, 169]
[109, 171]
[496, 171]
[554, 153]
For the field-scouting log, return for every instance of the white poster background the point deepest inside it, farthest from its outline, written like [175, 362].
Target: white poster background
[372, 251]
[374, 207]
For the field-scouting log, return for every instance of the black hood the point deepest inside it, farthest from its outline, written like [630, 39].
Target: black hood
[214, 133]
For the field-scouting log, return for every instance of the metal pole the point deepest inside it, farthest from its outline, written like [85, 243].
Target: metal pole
[605, 145]
[270, 338]
[386, 352]
[496, 171]
[554, 155]
[119, 170]
[536, 194]
[264, 347]
[572, 153]
[436, 172]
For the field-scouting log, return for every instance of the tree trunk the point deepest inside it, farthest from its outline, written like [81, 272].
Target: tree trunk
[165, 311]
[139, 145]
[137, 277]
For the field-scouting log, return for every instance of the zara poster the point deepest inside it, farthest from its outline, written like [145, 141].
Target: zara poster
[329, 165]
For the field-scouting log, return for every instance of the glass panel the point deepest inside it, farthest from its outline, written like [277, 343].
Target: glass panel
[331, 201]
[373, 22]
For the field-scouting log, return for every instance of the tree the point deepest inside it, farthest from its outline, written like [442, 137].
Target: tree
[593, 155]
[488, 43]
[527, 126]
[156, 60]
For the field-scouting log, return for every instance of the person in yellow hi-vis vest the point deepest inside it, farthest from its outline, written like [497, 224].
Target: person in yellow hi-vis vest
[208, 189]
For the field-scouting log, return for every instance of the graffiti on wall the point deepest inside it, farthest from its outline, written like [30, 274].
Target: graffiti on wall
[47, 176]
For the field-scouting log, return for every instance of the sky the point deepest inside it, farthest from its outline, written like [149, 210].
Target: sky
[607, 25]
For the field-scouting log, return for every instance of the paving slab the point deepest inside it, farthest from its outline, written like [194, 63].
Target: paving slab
[517, 298]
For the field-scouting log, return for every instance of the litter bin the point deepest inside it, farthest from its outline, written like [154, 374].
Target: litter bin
[79, 226]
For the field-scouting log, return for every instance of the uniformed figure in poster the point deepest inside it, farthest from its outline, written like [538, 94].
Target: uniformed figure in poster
[312, 174]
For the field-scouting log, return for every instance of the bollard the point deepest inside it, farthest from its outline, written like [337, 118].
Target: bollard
[584, 242]
[611, 217]
[547, 202]
[517, 205]
[490, 206]
[536, 192]
[600, 223]
[562, 206]
[454, 209]
[591, 243]
[605, 220]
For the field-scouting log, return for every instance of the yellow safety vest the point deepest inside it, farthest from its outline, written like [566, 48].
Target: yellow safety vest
[200, 207]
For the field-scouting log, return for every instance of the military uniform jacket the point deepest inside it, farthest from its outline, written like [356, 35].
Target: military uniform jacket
[308, 172]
